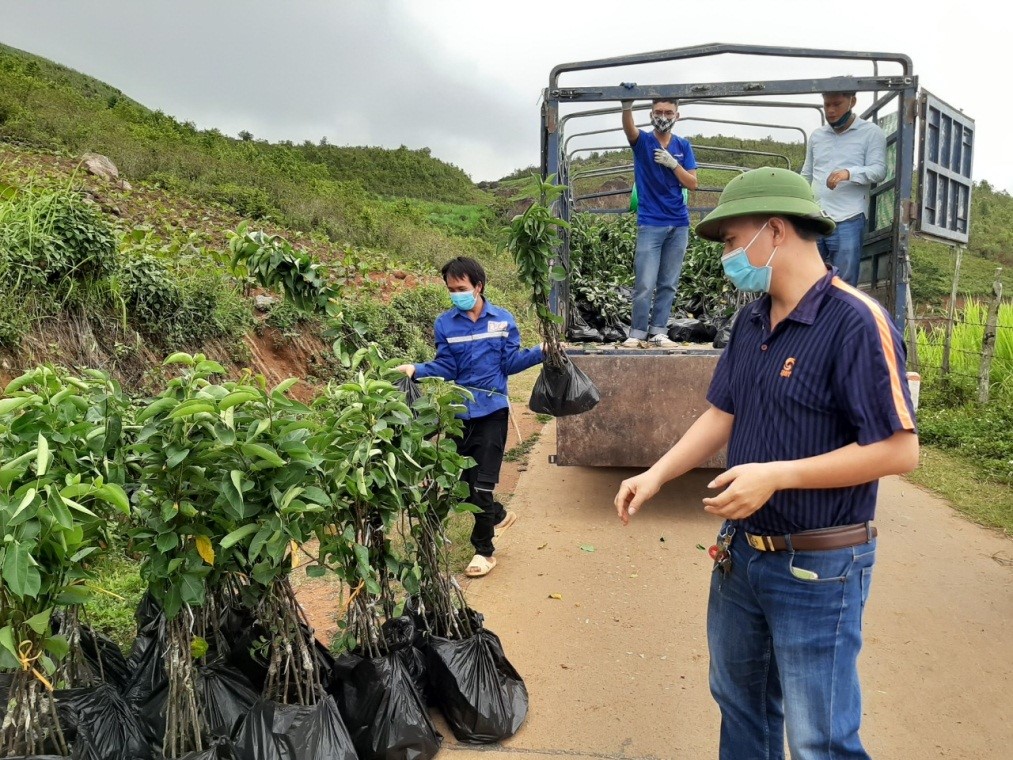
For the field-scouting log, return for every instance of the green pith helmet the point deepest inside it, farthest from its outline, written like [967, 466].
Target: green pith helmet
[777, 192]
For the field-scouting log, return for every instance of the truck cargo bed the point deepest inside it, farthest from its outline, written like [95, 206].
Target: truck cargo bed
[649, 399]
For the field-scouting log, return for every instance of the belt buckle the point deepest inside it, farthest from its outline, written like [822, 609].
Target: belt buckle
[756, 542]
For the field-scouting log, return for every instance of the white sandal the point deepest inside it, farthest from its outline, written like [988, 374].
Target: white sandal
[506, 522]
[480, 566]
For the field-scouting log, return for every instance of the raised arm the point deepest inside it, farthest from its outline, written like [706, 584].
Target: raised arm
[632, 133]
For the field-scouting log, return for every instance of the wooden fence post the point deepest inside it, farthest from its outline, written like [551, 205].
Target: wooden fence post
[944, 369]
[988, 339]
[912, 328]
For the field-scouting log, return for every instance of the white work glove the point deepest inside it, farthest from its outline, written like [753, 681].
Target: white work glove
[627, 105]
[666, 159]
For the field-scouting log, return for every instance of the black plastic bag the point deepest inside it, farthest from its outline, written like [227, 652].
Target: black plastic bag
[691, 331]
[724, 330]
[272, 731]
[562, 391]
[580, 331]
[615, 334]
[225, 696]
[148, 687]
[248, 656]
[410, 389]
[385, 715]
[221, 748]
[105, 658]
[402, 638]
[101, 725]
[478, 691]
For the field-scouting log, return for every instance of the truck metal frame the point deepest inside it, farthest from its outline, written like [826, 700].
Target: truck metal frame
[634, 382]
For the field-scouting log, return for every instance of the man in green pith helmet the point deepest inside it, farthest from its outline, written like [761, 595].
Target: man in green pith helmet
[810, 399]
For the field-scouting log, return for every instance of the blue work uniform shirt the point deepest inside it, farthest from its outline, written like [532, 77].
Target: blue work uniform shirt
[479, 356]
[830, 374]
[660, 202]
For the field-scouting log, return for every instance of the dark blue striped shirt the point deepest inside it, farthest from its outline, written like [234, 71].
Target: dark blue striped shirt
[831, 374]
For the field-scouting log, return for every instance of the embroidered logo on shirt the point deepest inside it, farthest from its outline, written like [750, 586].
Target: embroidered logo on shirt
[497, 326]
[789, 365]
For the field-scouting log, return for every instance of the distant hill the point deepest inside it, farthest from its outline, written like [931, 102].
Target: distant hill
[43, 104]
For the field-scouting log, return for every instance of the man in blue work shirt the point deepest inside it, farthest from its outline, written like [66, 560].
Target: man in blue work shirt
[843, 159]
[810, 398]
[663, 164]
[477, 346]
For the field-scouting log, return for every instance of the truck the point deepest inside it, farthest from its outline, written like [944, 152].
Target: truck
[650, 398]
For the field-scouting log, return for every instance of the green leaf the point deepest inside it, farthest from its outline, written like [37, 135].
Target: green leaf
[166, 542]
[156, 407]
[361, 555]
[40, 623]
[262, 452]
[180, 358]
[58, 509]
[191, 407]
[115, 495]
[21, 577]
[237, 397]
[58, 646]
[77, 594]
[176, 457]
[191, 589]
[29, 497]
[210, 367]
[238, 535]
[42, 461]
[7, 640]
[79, 508]
[285, 385]
[8, 405]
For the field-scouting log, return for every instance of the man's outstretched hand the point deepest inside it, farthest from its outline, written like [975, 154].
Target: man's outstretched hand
[633, 492]
[408, 369]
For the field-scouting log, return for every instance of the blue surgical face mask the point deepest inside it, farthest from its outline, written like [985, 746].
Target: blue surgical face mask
[745, 276]
[464, 301]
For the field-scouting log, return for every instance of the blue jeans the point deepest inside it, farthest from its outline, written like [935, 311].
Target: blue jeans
[784, 651]
[658, 262]
[843, 248]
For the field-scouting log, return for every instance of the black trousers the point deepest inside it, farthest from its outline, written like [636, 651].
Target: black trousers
[484, 440]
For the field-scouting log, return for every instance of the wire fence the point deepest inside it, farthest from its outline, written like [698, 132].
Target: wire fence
[970, 347]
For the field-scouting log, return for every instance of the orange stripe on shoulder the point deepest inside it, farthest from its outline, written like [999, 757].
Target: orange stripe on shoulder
[886, 338]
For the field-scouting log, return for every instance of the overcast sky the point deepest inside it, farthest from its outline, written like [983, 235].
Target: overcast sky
[464, 77]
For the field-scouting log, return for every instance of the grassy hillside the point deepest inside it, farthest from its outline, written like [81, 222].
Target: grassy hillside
[46, 105]
[153, 276]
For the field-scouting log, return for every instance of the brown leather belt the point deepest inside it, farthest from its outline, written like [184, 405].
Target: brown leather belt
[839, 537]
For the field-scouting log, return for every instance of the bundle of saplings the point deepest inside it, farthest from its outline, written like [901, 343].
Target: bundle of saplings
[533, 239]
[61, 497]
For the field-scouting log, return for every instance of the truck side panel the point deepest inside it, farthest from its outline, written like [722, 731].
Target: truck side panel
[649, 399]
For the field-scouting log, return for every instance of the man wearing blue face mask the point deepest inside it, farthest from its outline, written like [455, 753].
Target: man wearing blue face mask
[477, 346]
[843, 159]
[811, 400]
[663, 164]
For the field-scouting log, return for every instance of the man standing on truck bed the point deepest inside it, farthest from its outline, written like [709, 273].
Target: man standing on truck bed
[811, 400]
[843, 159]
[663, 164]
